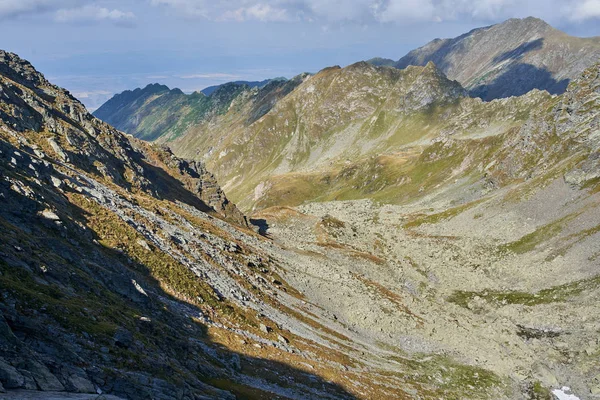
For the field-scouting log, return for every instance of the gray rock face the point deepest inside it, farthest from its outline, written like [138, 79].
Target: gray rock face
[43, 378]
[9, 376]
[508, 59]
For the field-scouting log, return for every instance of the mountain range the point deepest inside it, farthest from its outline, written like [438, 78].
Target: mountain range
[508, 59]
[366, 232]
[305, 137]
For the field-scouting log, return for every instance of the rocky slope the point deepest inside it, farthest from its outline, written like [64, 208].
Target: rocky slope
[498, 263]
[508, 59]
[125, 270]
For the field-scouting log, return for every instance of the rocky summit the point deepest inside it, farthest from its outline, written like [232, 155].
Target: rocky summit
[379, 233]
[508, 59]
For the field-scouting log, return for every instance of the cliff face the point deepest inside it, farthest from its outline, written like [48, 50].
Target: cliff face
[197, 179]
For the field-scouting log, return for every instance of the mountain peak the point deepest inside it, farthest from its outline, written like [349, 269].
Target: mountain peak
[155, 88]
[509, 59]
[530, 21]
[20, 70]
[361, 65]
[431, 66]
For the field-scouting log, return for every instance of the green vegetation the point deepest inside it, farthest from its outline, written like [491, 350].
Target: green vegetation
[450, 379]
[536, 391]
[175, 278]
[539, 236]
[71, 311]
[554, 294]
[442, 216]
[156, 111]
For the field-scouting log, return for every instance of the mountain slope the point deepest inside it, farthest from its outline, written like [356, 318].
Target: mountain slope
[345, 133]
[508, 59]
[151, 112]
[125, 270]
[156, 111]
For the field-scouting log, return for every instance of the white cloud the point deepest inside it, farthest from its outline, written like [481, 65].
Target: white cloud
[10, 8]
[359, 11]
[94, 13]
[479, 9]
[362, 12]
[587, 9]
[260, 12]
[90, 94]
[188, 8]
[405, 10]
[65, 11]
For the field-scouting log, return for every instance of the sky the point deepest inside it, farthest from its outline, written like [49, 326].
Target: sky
[96, 48]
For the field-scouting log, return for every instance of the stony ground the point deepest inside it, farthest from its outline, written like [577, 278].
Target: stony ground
[457, 285]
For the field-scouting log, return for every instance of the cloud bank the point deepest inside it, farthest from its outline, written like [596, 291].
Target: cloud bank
[94, 13]
[76, 11]
[369, 11]
[586, 9]
[324, 11]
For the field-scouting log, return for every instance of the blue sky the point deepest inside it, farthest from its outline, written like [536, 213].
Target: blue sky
[96, 48]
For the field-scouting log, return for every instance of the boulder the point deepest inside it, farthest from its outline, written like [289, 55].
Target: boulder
[57, 149]
[123, 338]
[43, 377]
[57, 183]
[265, 328]
[10, 378]
[282, 339]
[76, 380]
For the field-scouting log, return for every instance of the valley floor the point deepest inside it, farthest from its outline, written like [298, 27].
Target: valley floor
[489, 299]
